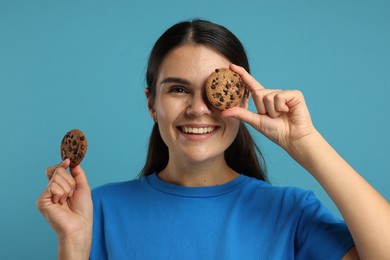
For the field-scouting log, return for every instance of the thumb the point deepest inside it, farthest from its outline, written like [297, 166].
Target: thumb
[80, 177]
[242, 114]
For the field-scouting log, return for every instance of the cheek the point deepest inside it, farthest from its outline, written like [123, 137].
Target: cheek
[160, 106]
[165, 109]
[232, 126]
[168, 112]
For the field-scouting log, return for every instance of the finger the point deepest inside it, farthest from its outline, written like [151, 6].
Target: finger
[250, 82]
[55, 192]
[51, 195]
[243, 115]
[270, 104]
[259, 99]
[80, 177]
[292, 98]
[264, 103]
[65, 182]
[281, 103]
[50, 171]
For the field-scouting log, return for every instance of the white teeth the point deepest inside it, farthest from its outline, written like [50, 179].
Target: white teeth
[193, 130]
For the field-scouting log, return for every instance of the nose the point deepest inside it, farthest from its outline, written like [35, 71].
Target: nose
[199, 105]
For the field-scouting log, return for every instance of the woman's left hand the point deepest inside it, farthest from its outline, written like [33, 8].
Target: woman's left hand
[282, 115]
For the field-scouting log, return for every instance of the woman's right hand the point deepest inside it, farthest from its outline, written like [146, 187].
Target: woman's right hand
[66, 203]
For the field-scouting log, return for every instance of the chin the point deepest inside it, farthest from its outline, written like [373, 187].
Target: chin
[201, 156]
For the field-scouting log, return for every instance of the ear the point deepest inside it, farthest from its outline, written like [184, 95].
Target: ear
[152, 111]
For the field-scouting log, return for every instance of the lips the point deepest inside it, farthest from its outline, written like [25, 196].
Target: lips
[197, 130]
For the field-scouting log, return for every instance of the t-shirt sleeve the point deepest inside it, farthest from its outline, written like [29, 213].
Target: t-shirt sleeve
[320, 235]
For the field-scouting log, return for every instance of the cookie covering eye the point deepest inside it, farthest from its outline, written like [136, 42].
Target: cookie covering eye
[224, 88]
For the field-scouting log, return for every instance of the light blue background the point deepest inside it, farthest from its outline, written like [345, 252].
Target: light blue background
[81, 64]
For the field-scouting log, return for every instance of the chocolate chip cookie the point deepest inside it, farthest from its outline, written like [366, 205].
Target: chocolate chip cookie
[224, 89]
[74, 147]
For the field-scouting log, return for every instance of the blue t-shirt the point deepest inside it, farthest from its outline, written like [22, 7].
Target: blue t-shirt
[243, 219]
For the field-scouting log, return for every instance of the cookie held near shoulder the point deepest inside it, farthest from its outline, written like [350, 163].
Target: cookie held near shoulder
[74, 147]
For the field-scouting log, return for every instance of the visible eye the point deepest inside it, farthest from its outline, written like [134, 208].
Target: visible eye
[178, 89]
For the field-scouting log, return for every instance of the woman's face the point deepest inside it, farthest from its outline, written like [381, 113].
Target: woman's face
[190, 127]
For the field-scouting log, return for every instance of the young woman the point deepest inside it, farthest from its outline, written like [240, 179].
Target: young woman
[203, 193]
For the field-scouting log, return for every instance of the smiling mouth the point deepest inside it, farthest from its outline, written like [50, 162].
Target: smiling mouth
[197, 130]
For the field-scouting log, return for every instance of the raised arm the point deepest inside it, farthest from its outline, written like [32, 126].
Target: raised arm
[283, 117]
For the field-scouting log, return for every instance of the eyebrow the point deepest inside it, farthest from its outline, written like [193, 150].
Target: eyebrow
[174, 80]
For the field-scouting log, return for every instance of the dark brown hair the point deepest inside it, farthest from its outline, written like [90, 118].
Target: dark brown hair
[242, 155]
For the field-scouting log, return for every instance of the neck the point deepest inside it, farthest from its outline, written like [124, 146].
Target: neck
[197, 174]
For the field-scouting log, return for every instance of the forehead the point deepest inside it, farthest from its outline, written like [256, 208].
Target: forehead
[192, 60]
